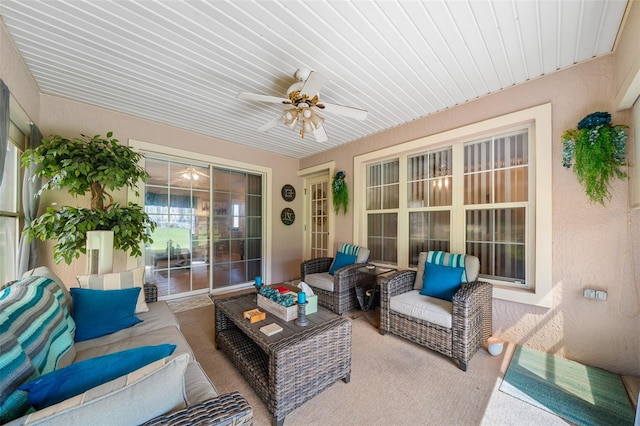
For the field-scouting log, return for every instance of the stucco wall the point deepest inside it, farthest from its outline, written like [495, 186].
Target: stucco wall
[591, 243]
[69, 118]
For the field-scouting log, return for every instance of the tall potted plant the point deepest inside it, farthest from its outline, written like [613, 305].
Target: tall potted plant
[89, 165]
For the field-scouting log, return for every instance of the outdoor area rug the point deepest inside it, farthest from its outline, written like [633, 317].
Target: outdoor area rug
[578, 393]
[188, 303]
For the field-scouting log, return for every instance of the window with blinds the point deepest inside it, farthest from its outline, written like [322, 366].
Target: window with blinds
[429, 188]
[469, 196]
[496, 198]
[383, 190]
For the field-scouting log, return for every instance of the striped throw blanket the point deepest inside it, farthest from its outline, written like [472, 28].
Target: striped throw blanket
[36, 331]
[448, 259]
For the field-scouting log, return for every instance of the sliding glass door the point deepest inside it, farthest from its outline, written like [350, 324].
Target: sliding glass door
[177, 198]
[237, 227]
[209, 227]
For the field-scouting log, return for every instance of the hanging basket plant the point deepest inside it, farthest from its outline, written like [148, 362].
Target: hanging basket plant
[598, 148]
[340, 193]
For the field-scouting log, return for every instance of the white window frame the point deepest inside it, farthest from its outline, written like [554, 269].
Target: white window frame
[19, 128]
[540, 120]
[267, 180]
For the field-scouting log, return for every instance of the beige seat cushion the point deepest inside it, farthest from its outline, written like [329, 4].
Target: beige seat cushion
[197, 384]
[156, 337]
[321, 280]
[158, 317]
[425, 308]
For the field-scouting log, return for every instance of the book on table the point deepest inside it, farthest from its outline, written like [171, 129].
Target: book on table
[271, 329]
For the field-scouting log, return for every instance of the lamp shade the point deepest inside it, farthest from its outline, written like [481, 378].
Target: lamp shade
[307, 113]
[307, 127]
[290, 114]
[317, 121]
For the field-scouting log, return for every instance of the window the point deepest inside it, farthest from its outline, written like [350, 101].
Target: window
[496, 194]
[382, 210]
[10, 209]
[473, 190]
[429, 190]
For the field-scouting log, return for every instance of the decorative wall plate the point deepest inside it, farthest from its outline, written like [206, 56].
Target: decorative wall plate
[288, 192]
[287, 216]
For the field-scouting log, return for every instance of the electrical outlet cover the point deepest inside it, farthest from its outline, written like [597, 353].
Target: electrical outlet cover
[601, 295]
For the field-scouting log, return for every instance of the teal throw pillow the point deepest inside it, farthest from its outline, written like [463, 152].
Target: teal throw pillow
[341, 260]
[79, 377]
[101, 312]
[440, 281]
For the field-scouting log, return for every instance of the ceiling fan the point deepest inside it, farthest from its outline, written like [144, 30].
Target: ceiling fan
[303, 98]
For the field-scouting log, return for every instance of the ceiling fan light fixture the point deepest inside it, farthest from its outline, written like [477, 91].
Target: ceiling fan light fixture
[290, 118]
[317, 121]
[302, 100]
[307, 126]
[307, 113]
[190, 174]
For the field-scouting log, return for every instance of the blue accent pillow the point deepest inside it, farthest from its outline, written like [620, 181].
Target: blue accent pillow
[77, 378]
[440, 281]
[341, 261]
[101, 312]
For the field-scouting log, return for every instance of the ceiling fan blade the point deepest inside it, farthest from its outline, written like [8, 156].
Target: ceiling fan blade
[262, 98]
[313, 84]
[320, 134]
[358, 114]
[270, 125]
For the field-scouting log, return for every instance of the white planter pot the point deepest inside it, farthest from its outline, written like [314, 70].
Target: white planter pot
[99, 252]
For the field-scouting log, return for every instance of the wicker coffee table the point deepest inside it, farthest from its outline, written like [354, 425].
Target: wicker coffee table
[288, 368]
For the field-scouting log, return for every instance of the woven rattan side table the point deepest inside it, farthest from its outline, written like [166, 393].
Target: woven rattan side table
[288, 368]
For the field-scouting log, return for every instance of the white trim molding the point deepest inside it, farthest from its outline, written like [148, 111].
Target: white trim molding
[539, 118]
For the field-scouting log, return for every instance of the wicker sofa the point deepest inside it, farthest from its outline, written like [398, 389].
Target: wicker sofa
[456, 329]
[173, 390]
[336, 292]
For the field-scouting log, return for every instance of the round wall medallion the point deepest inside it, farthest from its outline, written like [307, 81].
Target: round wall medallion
[287, 216]
[288, 192]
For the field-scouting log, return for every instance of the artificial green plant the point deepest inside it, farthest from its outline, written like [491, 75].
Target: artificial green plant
[340, 193]
[598, 148]
[89, 165]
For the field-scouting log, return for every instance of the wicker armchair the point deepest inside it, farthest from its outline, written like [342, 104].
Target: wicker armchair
[470, 311]
[340, 295]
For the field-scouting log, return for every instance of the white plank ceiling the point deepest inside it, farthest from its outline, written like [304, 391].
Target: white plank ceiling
[183, 62]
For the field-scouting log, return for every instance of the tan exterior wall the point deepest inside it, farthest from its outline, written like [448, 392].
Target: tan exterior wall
[590, 242]
[70, 118]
